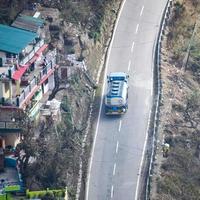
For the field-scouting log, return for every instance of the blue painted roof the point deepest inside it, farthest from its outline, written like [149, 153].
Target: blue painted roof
[14, 40]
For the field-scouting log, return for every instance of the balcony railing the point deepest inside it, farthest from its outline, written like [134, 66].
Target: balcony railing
[10, 61]
[45, 70]
[26, 92]
[32, 53]
[9, 125]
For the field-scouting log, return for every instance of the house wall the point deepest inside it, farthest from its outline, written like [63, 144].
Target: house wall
[46, 86]
[51, 82]
[2, 142]
[2, 58]
[28, 49]
[1, 89]
[6, 90]
[12, 139]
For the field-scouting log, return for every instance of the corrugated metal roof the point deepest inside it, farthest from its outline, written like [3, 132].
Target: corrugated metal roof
[28, 23]
[14, 40]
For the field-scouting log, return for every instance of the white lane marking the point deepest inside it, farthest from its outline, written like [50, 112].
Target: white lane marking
[117, 147]
[114, 169]
[141, 12]
[129, 65]
[132, 47]
[120, 125]
[104, 81]
[112, 192]
[136, 30]
[142, 160]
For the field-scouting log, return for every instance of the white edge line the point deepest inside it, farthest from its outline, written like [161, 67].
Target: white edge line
[136, 30]
[120, 125]
[112, 191]
[142, 160]
[96, 132]
[141, 12]
[144, 147]
[132, 47]
[114, 169]
[129, 65]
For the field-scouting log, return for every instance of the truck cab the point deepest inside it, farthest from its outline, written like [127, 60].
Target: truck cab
[116, 98]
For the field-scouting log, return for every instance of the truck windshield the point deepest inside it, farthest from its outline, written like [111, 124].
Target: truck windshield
[119, 78]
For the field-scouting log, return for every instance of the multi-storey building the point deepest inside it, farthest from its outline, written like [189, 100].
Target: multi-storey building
[27, 69]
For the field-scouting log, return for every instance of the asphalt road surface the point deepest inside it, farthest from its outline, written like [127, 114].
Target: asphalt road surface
[120, 140]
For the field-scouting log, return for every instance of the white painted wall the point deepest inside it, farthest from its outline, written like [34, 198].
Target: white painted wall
[46, 87]
[51, 82]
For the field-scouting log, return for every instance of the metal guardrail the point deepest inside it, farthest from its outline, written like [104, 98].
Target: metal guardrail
[157, 91]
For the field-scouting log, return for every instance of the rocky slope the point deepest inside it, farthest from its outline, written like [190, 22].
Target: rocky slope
[176, 174]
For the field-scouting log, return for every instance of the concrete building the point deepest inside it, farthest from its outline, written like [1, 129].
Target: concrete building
[27, 69]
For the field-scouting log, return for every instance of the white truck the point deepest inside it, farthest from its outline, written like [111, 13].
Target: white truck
[116, 98]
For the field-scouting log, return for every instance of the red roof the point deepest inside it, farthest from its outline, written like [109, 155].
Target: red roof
[39, 51]
[37, 54]
[18, 73]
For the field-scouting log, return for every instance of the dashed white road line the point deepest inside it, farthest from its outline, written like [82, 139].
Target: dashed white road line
[120, 125]
[141, 12]
[129, 65]
[136, 30]
[114, 169]
[112, 192]
[98, 121]
[132, 47]
[117, 147]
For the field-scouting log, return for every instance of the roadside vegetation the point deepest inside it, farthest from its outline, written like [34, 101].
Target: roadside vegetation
[176, 176]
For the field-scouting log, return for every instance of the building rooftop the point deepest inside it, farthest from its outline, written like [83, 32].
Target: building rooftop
[14, 40]
[28, 23]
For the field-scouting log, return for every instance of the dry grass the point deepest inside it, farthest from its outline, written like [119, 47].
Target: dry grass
[177, 176]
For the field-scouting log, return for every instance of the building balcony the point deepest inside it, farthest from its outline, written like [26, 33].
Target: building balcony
[39, 75]
[29, 90]
[33, 49]
[31, 80]
[10, 61]
[9, 126]
[6, 73]
[8, 120]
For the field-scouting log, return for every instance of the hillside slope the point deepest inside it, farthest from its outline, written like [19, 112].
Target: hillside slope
[176, 174]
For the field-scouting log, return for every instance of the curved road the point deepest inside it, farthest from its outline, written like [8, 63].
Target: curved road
[119, 141]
